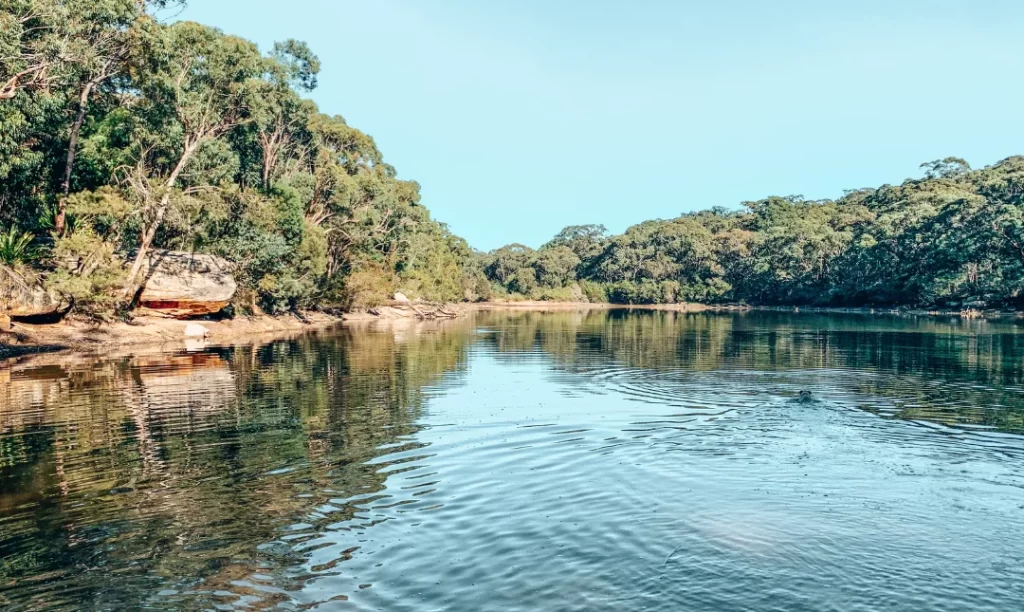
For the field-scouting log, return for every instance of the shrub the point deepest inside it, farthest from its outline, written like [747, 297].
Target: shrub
[644, 292]
[371, 286]
[594, 292]
[15, 247]
[671, 292]
[559, 294]
[571, 293]
[89, 272]
[483, 291]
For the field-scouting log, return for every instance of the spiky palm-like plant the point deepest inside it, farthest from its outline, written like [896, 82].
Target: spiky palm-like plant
[15, 247]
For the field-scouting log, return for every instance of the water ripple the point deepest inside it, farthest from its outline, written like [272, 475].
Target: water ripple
[569, 461]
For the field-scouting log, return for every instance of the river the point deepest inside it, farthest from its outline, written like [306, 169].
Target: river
[603, 460]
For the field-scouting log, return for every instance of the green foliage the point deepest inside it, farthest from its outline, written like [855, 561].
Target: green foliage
[594, 292]
[297, 63]
[954, 238]
[89, 271]
[556, 267]
[289, 215]
[570, 293]
[439, 266]
[179, 136]
[368, 287]
[120, 133]
[15, 247]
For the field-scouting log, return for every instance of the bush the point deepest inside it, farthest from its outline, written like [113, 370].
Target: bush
[571, 293]
[15, 247]
[671, 292]
[481, 291]
[644, 292]
[560, 294]
[498, 292]
[89, 272]
[277, 271]
[368, 287]
[594, 292]
[706, 292]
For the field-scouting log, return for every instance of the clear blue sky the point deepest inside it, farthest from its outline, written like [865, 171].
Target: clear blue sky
[519, 117]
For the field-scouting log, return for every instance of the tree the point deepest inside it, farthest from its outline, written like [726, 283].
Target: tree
[556, 267]
[101, 31]
[34, 44]
[198, 84]
[506, 262]
[950, 167]
[585, 241]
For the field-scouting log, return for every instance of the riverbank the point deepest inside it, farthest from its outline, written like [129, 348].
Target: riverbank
[541, 306]
[535, 305]
[89, 337]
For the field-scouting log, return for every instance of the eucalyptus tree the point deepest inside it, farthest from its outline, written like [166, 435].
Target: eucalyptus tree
[101, 31]
[556, 266]
[585, 241]
[196, 85]
[67, 49]
[505, 263]
[34, 57]
[35, 44]
[281, 117]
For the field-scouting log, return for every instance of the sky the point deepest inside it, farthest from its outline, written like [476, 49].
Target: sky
[520, 117]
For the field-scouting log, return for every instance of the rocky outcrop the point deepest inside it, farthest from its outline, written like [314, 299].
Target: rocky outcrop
[183, 285]
[23, 301]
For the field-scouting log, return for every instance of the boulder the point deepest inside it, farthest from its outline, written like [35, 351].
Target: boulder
[183, 285]
[20, 301]
[195, 330]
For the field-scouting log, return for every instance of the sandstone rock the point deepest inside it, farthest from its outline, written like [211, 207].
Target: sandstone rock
[401, 298]
[19, 301]
[183, 285]
[5, 323]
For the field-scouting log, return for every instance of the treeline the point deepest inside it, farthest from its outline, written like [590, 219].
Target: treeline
[954, 238]
[121, 133]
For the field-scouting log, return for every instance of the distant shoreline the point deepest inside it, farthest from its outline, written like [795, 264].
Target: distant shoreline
[536, 305]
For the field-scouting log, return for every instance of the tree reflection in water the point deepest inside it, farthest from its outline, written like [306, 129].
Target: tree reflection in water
[126, 479]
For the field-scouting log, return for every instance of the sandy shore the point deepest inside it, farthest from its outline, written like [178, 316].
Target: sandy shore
[82, 336]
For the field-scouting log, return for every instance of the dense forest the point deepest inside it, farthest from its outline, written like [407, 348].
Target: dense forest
[123, 131]
[952, 239]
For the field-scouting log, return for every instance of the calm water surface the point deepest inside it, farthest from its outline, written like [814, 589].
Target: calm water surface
[527, 461]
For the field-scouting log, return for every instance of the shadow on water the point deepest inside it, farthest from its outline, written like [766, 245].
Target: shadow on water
[520, 460]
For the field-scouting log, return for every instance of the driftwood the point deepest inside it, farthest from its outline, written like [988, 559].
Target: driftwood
[430, 312]
[438, 311]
